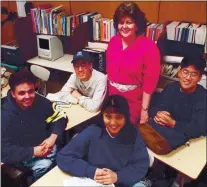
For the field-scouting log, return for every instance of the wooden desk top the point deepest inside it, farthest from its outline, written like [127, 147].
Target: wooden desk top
[189, 160]
[77, 114]
[63, 63]
[54, 177]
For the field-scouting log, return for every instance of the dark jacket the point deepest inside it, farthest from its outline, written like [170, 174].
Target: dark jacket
[93, 148]
[188, 110]
[23, 130]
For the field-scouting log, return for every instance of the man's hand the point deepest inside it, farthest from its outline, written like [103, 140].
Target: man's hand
[144, 116]
[76, 94]
[49, 142]
[164, 118]
[106, 177]
[40, 151]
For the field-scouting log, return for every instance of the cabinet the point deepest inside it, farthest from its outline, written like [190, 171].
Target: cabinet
[172, 53]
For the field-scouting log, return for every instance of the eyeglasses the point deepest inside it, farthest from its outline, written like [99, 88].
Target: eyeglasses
[185, 73]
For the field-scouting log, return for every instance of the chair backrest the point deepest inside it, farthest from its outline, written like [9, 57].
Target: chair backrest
[40, 72]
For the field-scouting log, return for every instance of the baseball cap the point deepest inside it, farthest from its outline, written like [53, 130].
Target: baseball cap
[81, 55]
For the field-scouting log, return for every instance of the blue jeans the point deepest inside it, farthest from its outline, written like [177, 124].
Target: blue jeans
[40, 165]
[139, 184]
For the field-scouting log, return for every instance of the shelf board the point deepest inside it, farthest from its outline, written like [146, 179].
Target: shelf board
[170, 78]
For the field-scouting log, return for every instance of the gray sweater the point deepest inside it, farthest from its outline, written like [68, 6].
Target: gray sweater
[92, 95]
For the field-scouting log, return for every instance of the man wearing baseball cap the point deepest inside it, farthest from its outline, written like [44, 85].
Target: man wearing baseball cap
[86, 86]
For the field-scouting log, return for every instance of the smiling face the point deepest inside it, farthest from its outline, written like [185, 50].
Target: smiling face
[127, 27]
[189, 77]
[24, 95]
[114, 122]
[83, 70]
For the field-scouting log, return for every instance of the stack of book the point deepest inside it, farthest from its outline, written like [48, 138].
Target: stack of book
[186, 32]
[103, 29]
[171, 66]
[170, 70]
[55, 21]
[154, 30]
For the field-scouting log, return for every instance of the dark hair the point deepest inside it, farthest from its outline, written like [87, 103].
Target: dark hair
[21, 77]
[117, 104]
[132, 10]
[197, 62]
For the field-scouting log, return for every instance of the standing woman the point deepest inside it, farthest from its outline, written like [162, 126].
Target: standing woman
[132, 61]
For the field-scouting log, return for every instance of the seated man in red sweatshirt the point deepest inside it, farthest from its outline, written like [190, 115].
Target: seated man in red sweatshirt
[180, 113]
[30, 126]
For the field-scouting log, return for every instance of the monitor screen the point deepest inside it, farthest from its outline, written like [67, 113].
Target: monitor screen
[44, 43]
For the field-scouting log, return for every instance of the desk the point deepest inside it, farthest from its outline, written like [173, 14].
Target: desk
[63, 63]
[54, 177]
[189, 160]
[77, 114]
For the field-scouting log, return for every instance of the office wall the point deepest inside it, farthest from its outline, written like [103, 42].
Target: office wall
[156, 11]
[107, 9]
[7, 31]
[183, 11]
[66, 4]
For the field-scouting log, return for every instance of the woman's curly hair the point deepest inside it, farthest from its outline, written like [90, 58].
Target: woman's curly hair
[132, 10]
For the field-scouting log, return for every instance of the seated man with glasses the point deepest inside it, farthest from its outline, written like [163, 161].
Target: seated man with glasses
[86, 86]
[180, 113]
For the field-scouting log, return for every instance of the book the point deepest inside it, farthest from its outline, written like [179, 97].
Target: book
[171, 30]
[95, 29]
[98, 45]
[172, 59]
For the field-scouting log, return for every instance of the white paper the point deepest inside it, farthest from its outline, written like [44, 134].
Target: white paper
[62, 97]
[83, 181]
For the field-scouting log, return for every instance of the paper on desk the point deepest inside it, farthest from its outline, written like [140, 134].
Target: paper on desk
[83, 181]
[62, 97]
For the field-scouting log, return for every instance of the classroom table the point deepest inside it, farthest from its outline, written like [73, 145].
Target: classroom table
[187, 159]
[77, 114]
[63, 63]
[54, 177]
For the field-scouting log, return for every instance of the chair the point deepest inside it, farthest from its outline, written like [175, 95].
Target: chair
[43, 74]
[15, 176]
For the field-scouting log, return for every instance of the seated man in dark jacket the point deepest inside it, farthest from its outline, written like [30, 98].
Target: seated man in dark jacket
[181, 111]
[30, 126]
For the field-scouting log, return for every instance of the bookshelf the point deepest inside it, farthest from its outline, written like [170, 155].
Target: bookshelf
[170, 78]
[27, 41]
